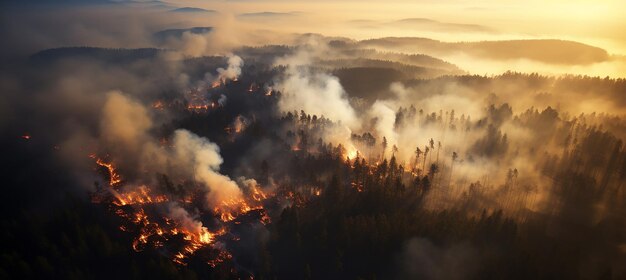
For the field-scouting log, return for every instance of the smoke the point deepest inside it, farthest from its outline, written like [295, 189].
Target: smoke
[316, 93]
[222, 100]
[233, 70]
[192, 45]
[505, 156]
[125, 134]
[421, 259]
[223, 38]
[196, 94]
[184, 219]
[124, 123]
[202, 156]
[385, 122]
[226, 35]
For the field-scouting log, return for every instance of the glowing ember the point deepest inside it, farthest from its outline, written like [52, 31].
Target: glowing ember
[253, 88]
[159, 105]
[139, 196]
[114, 178]
[351, 153]
[138, 206]
[357, 186]
[229, 210]
[201, 107]
[222, 256]
[258, 194]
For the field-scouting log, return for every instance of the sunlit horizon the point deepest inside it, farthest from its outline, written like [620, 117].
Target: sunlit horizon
[254, 139]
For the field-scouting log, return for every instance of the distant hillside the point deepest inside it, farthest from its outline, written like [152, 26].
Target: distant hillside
[265, 15]
[547, 51]
[265, 54]
[437, 26]
[153, 5]
[420, 60]
[102, 54]
[410, 71]
[63, 2]
[162, 36]
[368, 82]
[192, 10]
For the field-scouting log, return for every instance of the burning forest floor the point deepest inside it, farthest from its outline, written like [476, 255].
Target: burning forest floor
[224, 179]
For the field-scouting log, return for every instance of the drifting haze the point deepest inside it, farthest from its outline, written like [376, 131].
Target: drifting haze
[414, 99]
[31, 26]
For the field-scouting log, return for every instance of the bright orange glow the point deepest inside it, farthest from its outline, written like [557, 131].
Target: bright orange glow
[114, 178]
[229, 210]
[201, 107]
[159, 105]
[139, 196]
[351, 153]
[154, 230]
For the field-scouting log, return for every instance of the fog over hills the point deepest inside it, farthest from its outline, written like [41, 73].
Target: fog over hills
[547, 51]
[327, 140]
[192, 10]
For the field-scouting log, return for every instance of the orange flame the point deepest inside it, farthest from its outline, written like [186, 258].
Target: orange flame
[230, 209]
[154, 231]
[351, 153]
[201, 107]
[114, 178]
[159, 105]
[139, 196]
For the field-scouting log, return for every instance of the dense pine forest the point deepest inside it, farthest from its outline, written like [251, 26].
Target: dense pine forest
[435, 140]
[360, 207]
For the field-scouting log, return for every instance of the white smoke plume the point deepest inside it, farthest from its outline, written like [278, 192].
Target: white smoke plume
[385, 121]
[124, 122]
[193, 45]
[233, 70]
[222, 100]
[203, 157]
[124, 129]
[315, 93]
[183, 218]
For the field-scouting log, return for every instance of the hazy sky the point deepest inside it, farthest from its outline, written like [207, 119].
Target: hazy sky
[595, 22]
[29, 28]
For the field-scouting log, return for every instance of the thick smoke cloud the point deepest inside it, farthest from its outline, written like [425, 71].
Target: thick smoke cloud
[186, 220]
[421, 259]
[125, 132]
[316, 93]
[233, 70]
[124, 123]
[203, 157]
[497, 145]
[385, 119]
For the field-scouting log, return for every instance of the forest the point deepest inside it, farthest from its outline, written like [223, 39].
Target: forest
[283, 140]
[361, 207]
